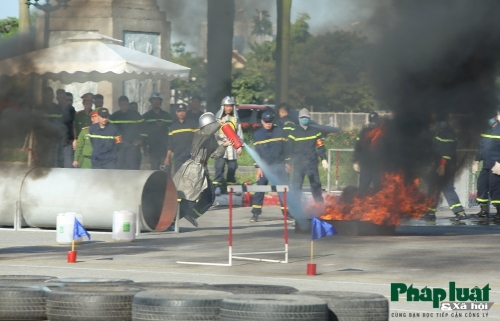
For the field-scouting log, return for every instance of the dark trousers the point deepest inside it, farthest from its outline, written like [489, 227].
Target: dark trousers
[220, 164]
[127, 157]
[278, 176]
[197, 208]
[488, 187]
[366, 177]
[68, 153]
[311, 171]
[108, 165]
[445, 184]
[156, 160]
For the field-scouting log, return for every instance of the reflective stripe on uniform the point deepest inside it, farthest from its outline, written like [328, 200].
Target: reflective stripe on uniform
[53, 115]
[256, 206]
[102, 137]
[304, 138]
[158, 119]
[495, 202]
[446, 140]
[126, 121]
[490, 136]
[455, 205]
[432, 209]
[144, 135]
[270, 140]
[288, 128]
[482, 200]
[185, 130]
[447, 157]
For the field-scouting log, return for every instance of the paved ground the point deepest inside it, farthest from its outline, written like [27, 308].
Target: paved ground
[425, 255]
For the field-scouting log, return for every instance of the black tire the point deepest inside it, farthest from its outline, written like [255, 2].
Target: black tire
[177, 304]
[254, 288]
[43, 285]
[75, 282]
[16, 279]
[91, 304]
[169, 285]
[22, 303]
[273, 307]
[354, 306]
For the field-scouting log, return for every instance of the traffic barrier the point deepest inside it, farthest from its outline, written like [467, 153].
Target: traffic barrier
[244, 256]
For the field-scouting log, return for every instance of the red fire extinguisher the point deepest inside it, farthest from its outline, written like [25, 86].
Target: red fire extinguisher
[229, 130]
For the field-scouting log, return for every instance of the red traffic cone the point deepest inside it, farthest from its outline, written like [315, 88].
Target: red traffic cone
[71, 256]
[311, 269]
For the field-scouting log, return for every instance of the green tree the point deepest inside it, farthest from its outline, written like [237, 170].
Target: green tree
[329, 73]
[197, 76]
[255, 83]
[8, 27]
[262, 24]
[299, 32]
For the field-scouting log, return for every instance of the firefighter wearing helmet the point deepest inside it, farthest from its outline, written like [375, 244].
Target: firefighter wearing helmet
[227, 113]
[195, 190]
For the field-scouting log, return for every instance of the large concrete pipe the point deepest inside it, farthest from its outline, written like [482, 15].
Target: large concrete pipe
[96, 194]
[11, 180]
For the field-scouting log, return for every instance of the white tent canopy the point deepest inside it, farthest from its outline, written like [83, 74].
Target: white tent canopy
[92, 57]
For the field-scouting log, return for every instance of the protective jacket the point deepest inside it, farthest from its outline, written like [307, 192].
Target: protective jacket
[129, 124]
[305, 146]
[192, 178]
[104, 143]
[270, 145]
[181, 137]
[287, 124]
[445, 147]
[365, 148]
[230, 153]
[156, 130]
[489, 147]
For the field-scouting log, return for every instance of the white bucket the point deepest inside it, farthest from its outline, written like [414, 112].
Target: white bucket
[124, 226]
[65, 227]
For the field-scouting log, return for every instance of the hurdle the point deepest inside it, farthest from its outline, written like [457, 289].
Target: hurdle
[243, 256]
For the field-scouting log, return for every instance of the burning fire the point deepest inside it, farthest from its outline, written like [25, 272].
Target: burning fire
[373, 135]
[395, 200]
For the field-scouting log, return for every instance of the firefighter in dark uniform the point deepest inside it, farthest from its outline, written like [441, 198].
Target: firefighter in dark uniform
[442, 175]
[129, 123]
[180, 138]
[269, 142]
[365, 159]
[54, 115]
[488, 183]
[105, 140]
[285, 122]
[304, 146]
[156, 127]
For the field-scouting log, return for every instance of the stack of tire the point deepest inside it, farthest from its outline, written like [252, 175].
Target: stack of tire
[45, 297]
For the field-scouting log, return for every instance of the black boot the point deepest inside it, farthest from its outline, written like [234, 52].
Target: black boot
[429, 216]
[496, 218]
[460, 216]
[483, 213]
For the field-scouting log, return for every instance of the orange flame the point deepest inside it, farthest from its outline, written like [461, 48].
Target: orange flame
[386, 207]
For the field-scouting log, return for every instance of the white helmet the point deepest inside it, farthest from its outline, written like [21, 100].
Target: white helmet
[205, 119]
[228, 101]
